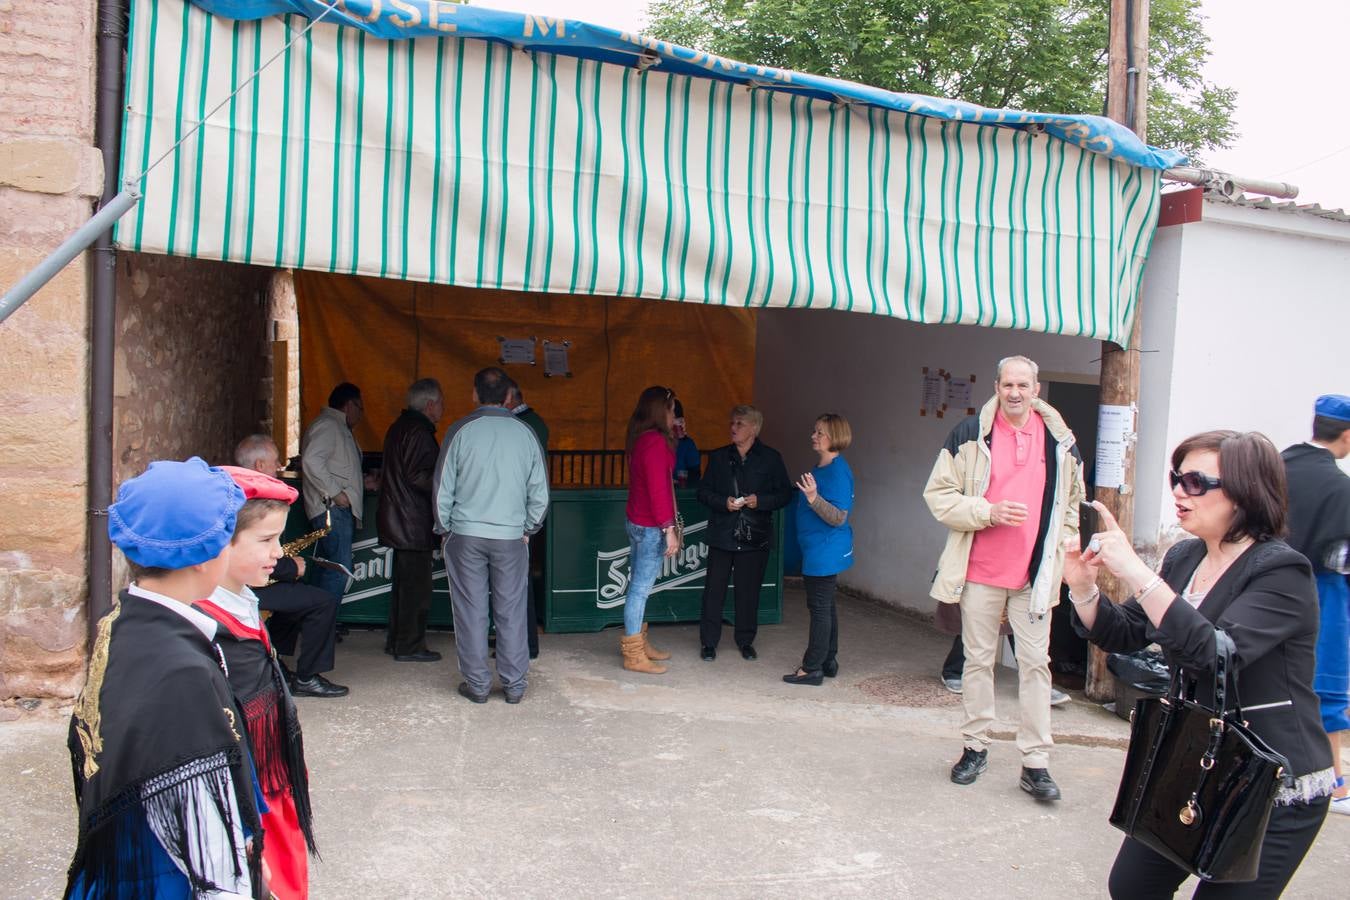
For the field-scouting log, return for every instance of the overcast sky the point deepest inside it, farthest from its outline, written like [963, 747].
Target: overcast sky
[1285, 59]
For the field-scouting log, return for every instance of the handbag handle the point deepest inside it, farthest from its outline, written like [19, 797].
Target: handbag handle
[1224, 650]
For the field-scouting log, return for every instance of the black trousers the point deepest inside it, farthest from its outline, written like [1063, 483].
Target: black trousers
[409, 602]
[822, 643]
[955, 663]
[303, 613]
[1141, 874]
[746, 569]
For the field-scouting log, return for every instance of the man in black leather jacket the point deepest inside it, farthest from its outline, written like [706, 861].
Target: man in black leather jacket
[404, 519]
[745, 482]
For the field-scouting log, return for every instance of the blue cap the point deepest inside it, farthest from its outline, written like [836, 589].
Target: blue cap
[1333, 406]
[175, 514]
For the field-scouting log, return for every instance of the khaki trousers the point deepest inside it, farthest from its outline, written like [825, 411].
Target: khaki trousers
[982, 608]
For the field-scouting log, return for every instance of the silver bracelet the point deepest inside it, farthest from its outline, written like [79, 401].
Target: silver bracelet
[1148, 588]
[1091, 598]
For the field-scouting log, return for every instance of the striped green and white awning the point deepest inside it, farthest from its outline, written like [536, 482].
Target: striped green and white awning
[468, 162]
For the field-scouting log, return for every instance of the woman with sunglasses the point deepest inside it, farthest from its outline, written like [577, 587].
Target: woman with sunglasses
[649, 519]
[1238, 576]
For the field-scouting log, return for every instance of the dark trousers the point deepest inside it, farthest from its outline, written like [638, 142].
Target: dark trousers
[746, 569]
[1141, 874]
[305, 613]
[955, 663]
[822, 642]
[409, 602]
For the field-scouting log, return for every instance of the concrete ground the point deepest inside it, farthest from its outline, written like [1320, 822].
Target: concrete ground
[714, 780]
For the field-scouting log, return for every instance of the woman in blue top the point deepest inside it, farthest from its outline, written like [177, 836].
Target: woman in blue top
[826, 540]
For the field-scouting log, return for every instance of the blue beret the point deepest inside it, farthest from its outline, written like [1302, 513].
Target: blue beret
[1333, 406]
[175, 514]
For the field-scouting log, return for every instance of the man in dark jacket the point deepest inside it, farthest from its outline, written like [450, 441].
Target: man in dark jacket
[1319, 528]
[515, 401]
[745, 482]
[404, 519]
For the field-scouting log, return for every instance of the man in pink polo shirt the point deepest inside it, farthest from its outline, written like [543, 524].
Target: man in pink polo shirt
[1007, 485]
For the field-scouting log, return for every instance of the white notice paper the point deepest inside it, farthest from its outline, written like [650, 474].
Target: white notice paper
[555, 359]
[1115, 431]
[932, 393]
[958, 394]
[516, 350]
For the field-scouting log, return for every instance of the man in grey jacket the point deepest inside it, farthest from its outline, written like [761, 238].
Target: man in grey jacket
[491, 494]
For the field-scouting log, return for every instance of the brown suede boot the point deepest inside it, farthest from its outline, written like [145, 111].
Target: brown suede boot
[652, 652]
[634, 658]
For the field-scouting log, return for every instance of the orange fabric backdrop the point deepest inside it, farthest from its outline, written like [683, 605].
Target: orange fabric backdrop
[382, 335]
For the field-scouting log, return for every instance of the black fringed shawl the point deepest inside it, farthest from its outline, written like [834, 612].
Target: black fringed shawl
[269, 713]
[155, 733]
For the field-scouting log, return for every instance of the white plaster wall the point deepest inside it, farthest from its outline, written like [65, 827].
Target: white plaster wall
[1256, 305]
[869, 368]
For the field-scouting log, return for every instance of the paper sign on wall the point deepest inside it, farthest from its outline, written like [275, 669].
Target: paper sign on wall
[959, 394]
[1115, 433]
[519, 351]
[933, 386]
[555, 359]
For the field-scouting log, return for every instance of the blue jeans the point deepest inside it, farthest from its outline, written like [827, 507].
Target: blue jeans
[645, 550]
[337, 546]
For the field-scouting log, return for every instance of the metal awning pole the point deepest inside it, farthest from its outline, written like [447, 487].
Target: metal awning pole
[73, 246]
[1231, 185]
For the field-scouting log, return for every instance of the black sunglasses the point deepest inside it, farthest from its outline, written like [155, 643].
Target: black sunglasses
[1194, 484]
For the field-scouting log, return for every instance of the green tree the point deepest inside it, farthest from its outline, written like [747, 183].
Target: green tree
[1043, 55]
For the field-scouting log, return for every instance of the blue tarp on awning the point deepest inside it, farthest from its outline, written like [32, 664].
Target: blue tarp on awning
[394, 19]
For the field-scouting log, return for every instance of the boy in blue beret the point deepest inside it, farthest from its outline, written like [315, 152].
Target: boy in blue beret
[164, 782]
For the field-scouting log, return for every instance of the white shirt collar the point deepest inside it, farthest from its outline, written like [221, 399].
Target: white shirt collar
[204, 623]
[243, 607]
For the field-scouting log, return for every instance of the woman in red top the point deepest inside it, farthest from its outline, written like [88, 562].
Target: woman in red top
[650, 518]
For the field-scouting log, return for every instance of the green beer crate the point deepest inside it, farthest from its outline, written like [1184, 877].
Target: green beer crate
[367, 599]
[587, 565]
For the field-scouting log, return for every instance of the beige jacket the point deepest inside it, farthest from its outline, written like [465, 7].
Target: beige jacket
[330, 462]
[955, 495]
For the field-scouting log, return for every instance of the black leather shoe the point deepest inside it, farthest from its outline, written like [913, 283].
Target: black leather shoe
[708, 654]
[419, 656]
[748, 652]
[318, 686]
[969, 767]
[1039, 784]
[467, 693]
[830, 668]
[515, 697]
[801, 676]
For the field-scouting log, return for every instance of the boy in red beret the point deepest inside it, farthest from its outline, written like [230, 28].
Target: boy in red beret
[258, 683]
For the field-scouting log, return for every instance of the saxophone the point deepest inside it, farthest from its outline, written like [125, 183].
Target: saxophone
[293, 548]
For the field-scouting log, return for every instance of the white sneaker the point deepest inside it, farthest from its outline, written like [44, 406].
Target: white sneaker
[1341, 805]
[952, 684]
[1058, 697]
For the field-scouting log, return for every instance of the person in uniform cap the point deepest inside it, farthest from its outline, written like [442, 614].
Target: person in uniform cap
[163, 778]
[1319, 528]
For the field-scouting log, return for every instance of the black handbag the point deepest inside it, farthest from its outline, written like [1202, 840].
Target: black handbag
[1198, 784]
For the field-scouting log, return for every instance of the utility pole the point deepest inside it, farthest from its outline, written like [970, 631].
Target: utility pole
[1126, 103]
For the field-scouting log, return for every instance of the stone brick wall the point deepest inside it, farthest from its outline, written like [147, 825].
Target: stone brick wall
[49, 174]
[193, 367]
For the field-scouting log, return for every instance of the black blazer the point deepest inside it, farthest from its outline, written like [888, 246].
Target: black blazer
[1267, 603]
[761, 473]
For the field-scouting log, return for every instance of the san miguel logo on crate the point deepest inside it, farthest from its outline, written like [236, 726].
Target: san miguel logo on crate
[611, 569]
[373, 570]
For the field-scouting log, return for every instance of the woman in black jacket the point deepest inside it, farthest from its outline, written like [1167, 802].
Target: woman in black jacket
[1238, 576]
[745, 482]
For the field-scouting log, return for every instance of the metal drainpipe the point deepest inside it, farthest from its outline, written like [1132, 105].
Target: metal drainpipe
[112, 31]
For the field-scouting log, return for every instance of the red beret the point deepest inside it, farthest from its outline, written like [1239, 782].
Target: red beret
[257, 486]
